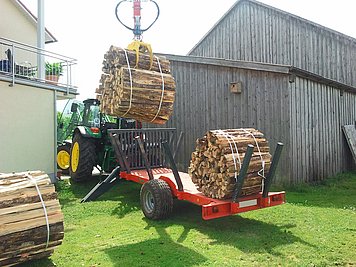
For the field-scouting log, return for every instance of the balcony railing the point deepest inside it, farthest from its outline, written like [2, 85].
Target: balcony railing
[19, 62]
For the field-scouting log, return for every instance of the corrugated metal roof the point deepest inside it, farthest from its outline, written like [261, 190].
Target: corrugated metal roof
[258, 66]
[239, 2]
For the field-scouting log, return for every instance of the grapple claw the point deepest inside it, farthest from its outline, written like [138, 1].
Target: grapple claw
[141, 47]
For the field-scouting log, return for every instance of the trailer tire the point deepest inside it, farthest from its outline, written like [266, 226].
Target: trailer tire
[156, 199]
[82, 158]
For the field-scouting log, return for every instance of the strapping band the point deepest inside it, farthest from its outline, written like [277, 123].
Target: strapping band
[160, 103]
[128, 66]
[259, 151]
[228, 137]
[43, 205]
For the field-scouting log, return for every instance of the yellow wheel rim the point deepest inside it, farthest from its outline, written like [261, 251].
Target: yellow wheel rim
[75, 157]
[63, 159]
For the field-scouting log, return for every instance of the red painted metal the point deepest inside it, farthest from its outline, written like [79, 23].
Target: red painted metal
[137, 8]
[211, 208]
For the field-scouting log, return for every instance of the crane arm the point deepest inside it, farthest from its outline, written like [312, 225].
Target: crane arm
[137, 44]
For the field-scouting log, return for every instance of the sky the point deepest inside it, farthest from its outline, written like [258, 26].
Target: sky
[86, 29]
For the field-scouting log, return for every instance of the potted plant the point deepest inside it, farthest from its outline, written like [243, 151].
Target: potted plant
[53, 71]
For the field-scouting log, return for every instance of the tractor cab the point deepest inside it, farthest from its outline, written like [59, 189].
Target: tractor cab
[97, 124]
[91, 113]
[93, 123]
[90, 121]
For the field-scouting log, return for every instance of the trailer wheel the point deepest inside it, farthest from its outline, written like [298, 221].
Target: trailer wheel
[156, 199]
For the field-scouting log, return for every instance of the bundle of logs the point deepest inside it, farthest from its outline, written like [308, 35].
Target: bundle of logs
[135, 89]
[31, 221]
[218, 157]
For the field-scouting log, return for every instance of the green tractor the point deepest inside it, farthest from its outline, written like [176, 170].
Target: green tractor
[91, 146]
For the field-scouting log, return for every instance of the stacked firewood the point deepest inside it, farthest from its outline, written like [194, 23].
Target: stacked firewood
[31, 221]
[217, 161]
[136, 90]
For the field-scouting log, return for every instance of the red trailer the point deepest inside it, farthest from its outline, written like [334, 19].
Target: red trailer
[142, 155]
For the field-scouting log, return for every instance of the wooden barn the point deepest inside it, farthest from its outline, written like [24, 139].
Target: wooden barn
[290, 78]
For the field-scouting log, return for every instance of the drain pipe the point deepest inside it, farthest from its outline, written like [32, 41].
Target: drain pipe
[41, 75]
[54, 178]
[40, 39]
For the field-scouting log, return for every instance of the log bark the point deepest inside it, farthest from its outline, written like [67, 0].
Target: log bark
[23, 227]
[138, 93]
[215, 163]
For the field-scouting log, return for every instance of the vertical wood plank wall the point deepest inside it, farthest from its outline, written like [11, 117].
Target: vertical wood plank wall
[204, 102]
[318, 146]
[255, 32]
[305, 115]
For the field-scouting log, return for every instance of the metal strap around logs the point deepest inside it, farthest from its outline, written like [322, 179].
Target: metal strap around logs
[272, 169]
[242, 174]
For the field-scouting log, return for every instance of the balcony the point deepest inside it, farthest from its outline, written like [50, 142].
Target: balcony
[18, 65]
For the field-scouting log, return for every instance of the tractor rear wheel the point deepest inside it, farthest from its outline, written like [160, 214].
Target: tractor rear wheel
[156, 199]
[63, 157]
[82, 158]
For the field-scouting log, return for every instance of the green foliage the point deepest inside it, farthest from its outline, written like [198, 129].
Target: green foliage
[65, 119]
[54, 68]
[63, 126]
[315, 228]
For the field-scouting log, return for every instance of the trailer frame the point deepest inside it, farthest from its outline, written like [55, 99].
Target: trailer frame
[151, 165]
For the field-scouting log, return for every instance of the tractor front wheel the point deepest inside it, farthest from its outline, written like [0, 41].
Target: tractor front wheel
[156, 199]
[63, 158]
[82, 158]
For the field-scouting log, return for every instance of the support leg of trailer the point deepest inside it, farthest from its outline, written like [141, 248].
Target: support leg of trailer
[144, 156]
[272, 169]
[121, 157]
[242, 174]
[173, 165]
[178, 145]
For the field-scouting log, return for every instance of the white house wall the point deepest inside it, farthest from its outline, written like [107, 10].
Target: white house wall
[14, 25]
[26, 129]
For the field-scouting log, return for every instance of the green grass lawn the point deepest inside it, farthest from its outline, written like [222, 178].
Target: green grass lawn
[317, 227]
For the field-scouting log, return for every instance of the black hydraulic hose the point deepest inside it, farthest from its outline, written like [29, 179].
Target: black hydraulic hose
[158, 12]
[117, 16]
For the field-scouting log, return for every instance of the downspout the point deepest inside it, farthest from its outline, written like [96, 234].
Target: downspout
[41, 75]
[54, 178]
[40, 39]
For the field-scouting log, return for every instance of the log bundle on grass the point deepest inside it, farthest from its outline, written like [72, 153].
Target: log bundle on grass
[215, 163]
[136, 92]
[24, 232]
